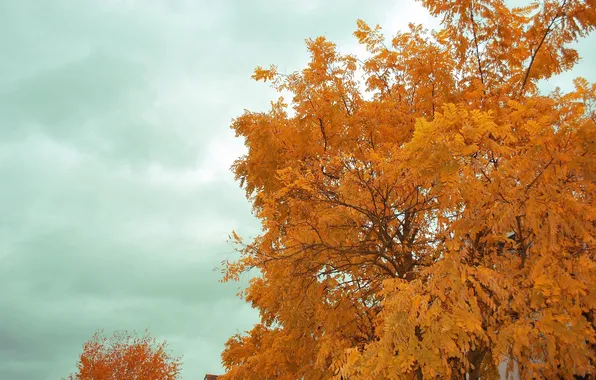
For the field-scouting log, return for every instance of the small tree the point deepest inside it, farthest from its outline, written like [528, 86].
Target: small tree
[125, 356]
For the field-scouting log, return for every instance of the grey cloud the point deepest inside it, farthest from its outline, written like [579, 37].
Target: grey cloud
[66, 96]
[85, 247]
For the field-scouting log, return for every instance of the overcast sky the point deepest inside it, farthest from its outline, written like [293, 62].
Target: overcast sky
[116, 196]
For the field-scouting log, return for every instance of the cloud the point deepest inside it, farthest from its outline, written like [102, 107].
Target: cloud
[85, 246]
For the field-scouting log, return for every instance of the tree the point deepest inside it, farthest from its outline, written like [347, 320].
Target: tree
[437, 224]
[125, 357]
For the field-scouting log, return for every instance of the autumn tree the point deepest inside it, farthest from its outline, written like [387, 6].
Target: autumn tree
[125, 356]
[426, 212]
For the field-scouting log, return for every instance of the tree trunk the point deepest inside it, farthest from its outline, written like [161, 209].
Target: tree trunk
[475, 357]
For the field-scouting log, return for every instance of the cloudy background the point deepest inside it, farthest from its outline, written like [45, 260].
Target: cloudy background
[116, 197]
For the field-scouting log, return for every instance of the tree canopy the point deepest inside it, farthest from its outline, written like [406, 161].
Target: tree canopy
[125, 356]
[426, 212]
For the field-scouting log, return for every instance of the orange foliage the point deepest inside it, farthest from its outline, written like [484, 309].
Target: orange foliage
[125, 357]
[438, 224]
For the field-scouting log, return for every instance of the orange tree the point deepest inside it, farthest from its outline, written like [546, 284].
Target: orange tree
[439, 222]
[125, 357]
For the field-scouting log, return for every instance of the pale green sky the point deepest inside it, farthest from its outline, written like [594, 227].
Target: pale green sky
[115, 145]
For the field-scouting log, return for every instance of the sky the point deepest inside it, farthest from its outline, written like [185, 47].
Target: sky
[116, 197]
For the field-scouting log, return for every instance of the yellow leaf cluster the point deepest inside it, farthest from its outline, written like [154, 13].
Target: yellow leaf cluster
[436, 225]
